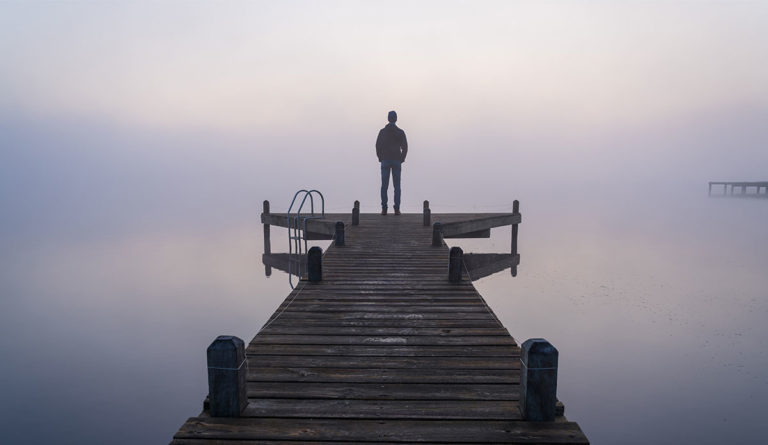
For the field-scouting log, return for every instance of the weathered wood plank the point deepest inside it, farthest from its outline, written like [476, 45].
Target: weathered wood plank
[317, 226]
[346, 375]
[384, 391]
[295, 329]
[364, 430]
[383, 409]
[422, 340]
[385, 350]
[351, 362]
[486, 323]
[453, 229]
[480, 315]
[479, 234]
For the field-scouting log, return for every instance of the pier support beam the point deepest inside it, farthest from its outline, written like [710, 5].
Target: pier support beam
[427, 214]
[515, 211]
[227, 375]
[356, 214]
[538, 380]
[455, 264]
[267, 239]
[437, 234]
[314, 264]
[339, 234]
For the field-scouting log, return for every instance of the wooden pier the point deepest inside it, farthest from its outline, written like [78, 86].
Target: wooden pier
[384, 347]
[743, 187]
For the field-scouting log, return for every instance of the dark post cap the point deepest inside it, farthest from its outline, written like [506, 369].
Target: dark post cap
[539, 353]
[226, 343]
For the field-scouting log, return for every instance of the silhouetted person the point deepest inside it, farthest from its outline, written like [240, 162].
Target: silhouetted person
[391, 148]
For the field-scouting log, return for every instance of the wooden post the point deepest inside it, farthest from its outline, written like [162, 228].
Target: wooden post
[455, 264]
[356, 214]
[516, 211]
[437, 235]
[538, 380]
[710, 189]
[339, 233]
[267, 240]
[227, 375]
[427, 214]
[314, 264]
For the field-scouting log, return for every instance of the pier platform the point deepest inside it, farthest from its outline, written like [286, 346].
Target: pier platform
[385, 348]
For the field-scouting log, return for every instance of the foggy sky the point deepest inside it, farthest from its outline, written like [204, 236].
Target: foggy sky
[131, 112]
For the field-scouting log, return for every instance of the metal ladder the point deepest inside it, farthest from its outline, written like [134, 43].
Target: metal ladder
[297, 230]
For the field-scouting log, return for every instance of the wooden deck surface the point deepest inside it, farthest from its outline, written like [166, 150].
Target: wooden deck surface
[384, 350]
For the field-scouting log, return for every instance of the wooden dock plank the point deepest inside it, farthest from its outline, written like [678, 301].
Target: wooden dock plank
[385, 350]
[364, 430]
[378, 362]
[384, 409]
[356, 330]
[385, 391]
[378, 375]
[424, 340]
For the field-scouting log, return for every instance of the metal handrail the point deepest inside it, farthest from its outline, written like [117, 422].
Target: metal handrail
[297, 225]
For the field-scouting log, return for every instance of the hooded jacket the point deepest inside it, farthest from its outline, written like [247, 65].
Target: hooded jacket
[391, 144]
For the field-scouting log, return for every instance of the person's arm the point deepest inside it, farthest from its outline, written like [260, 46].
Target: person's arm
[403, 148]
[378, 146]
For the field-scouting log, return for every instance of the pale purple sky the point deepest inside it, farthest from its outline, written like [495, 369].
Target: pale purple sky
[245, 66]
[118, 109]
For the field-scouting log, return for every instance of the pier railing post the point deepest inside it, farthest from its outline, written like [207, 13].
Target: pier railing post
[516, 211]
[538, 380]
[455, 264]
[267, 240]
[356, 214]
[314, 264]
[339, 233]
[427, 214]
[437, 234]
[227, 375]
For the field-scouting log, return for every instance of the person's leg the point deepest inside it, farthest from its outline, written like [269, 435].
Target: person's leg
[385, 167]
[396, 182]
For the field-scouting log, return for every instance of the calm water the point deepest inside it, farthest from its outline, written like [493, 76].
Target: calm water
[138, 140]
[657, 306]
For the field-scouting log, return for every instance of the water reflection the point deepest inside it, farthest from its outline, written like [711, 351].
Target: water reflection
[476, 265]
[290, 264]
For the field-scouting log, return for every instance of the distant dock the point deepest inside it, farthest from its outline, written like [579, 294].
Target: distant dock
[383, 340]
[744, 187]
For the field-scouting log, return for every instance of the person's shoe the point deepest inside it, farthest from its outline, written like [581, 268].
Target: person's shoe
[397, 211]
[383, 211]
